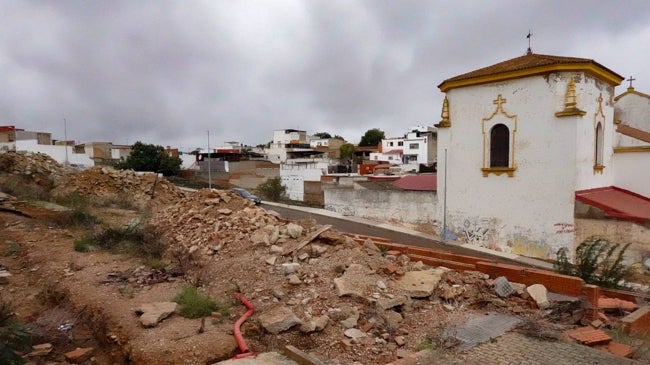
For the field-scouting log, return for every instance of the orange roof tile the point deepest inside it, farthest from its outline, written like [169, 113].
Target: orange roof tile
[425, 182]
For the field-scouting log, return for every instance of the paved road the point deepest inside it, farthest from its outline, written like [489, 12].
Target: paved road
[361, 226]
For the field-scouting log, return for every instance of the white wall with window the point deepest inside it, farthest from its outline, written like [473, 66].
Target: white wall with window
[511, 163]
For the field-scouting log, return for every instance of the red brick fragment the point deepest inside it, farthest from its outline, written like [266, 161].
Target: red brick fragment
[79, 355]
[589, 336]
[620, 349]
[615, 303]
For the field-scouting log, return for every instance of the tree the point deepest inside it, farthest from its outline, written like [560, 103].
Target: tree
[272, 189]
[149, 157]
[347, 151]
[372, 138]
[322, 135]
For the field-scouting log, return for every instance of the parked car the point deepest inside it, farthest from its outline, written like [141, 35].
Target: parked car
[247, 195]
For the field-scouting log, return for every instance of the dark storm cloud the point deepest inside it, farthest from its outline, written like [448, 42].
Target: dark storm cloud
[165, 72]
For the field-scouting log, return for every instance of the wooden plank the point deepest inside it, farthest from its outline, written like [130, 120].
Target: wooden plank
[308, 239]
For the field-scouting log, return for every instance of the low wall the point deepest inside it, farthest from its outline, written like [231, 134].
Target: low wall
[397, 205]
[617, 231]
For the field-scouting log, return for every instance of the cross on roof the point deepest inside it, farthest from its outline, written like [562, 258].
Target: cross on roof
[630, 80]
[498, 101]
[529, 51]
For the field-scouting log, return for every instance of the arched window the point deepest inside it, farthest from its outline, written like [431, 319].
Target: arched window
[599, 144]
[499, 146]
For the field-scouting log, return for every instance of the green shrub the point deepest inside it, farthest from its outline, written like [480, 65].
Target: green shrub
[134, 239]
[597, 261]
[194, 304]
[13, 336]
[272, 189]
[85, 244]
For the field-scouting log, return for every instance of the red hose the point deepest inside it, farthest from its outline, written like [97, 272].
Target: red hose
[245, 351]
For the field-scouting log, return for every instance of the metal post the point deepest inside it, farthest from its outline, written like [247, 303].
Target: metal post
[209, 167]
[65, 136]
[444, 204]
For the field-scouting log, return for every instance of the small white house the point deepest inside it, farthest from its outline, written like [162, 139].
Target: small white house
[417, 147]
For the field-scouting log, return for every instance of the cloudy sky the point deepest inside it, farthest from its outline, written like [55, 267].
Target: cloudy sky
[166, 72]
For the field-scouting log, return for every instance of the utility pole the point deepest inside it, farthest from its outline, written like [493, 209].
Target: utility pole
[65, 137]
[209, 167]
[444, 205]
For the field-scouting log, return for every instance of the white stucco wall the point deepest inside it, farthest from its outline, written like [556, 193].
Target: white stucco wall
[386, 205]
[634, 110]
[294, 175]
[588, 90]
[57, 152]
[632, 172]
[530, 213]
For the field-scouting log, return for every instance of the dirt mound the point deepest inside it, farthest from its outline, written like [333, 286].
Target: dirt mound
[104, 185]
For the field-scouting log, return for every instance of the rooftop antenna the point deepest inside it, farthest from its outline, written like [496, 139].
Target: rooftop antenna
[529, 51]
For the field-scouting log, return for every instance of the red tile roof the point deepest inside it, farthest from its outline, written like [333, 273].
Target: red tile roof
[428, 182]
[617, 202]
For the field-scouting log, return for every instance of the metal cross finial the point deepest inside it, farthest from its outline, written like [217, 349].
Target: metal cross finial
[529, 51]
[498, 101]
[630, 80]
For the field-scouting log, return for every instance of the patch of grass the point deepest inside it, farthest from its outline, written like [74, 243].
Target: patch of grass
[156, 263]
[426, 344]
[14, 337]
[12, 248]
[85, 244]
[24, 187]
[135, 240]
[194, 304]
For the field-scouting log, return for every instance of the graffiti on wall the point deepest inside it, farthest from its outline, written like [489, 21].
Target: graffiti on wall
[564, 228]
[523, 245]
[482, 232]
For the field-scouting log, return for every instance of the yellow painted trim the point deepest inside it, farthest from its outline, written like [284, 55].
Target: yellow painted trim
[570, 112]
[598, 169]
[499, 101]
[589, 68]
[630, 90]
[499, 171]
[632, 149]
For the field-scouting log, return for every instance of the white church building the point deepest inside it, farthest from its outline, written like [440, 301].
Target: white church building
[527, 145]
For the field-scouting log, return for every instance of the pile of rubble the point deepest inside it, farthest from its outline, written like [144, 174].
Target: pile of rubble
[104, 185]
[39, 167]
[352, 301]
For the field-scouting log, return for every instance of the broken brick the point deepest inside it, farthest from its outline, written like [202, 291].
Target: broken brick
[619, 349]
[589, 336]
[615, 303]
[79, 355]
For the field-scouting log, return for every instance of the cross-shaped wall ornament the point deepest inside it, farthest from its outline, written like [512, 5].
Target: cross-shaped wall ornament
[630, 80]
[498, 102]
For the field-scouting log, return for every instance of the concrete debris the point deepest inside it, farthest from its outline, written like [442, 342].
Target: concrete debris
[154, 313]
[354, 333]
[42, 349]
[357, 281]
[420, 284]
[539, 293]
[278, 319]
[502, 287]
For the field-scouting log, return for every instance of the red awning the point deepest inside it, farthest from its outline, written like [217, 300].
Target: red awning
[617, 202]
